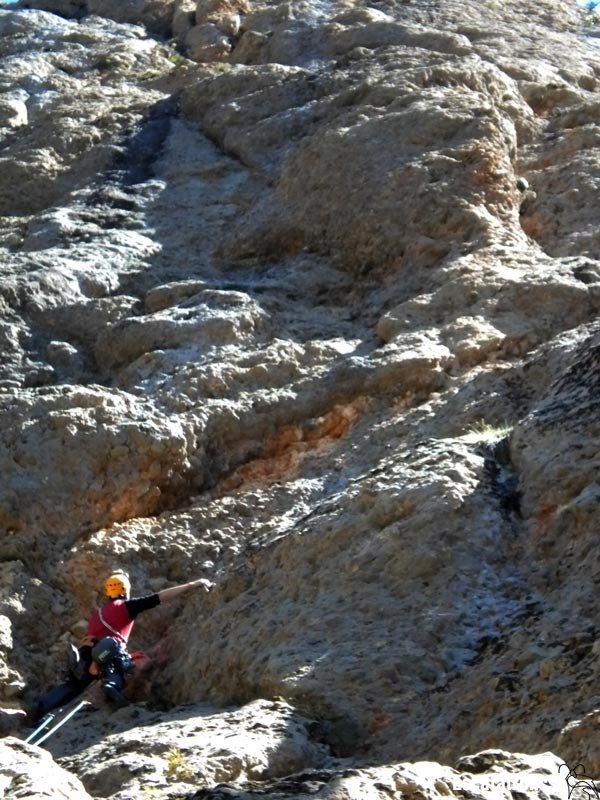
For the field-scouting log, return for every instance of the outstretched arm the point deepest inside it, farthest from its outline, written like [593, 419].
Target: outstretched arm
[174, 591]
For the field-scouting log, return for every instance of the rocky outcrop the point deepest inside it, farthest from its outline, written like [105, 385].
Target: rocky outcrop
[29, 772]
[490, 774]
[196, 746]
[302, 298]
[267, 749]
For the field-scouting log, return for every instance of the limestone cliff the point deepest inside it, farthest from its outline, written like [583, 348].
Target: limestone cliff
[301, 297]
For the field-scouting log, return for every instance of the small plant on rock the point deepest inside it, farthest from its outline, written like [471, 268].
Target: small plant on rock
[177, 767]
[482, 432]
[220, 67]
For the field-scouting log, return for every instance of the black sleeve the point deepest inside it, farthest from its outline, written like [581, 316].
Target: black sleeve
[136, 605]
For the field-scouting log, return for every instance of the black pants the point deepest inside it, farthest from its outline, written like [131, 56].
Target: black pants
[112, 674]
[60, 695]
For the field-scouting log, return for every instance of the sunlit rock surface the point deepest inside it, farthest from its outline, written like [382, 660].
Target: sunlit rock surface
[29, 772]
[302, 298]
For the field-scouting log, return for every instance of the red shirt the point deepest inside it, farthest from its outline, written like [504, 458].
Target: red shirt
[120, 615]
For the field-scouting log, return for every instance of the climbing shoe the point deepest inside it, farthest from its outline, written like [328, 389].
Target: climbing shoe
[114, 696]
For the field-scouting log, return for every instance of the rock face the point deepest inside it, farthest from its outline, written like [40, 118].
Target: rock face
[106, 448]
[302, 298]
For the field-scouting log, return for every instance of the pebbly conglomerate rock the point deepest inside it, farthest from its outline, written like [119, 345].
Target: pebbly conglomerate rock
[302, 298]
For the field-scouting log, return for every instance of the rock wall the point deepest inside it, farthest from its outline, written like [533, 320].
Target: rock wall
[302, 298]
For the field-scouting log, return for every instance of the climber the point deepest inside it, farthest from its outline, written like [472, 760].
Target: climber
[103, 654]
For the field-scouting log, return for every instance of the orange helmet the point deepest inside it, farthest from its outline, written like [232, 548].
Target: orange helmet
[117, 585]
